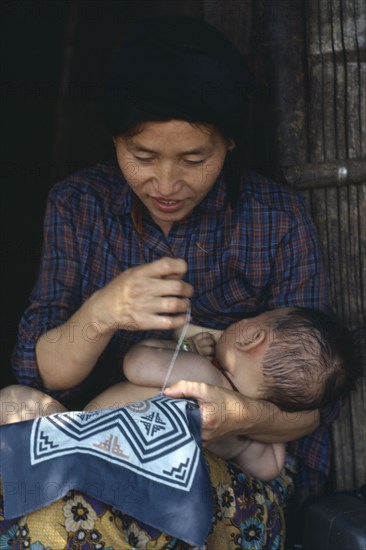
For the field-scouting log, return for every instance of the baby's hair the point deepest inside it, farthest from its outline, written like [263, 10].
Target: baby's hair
[312, 360]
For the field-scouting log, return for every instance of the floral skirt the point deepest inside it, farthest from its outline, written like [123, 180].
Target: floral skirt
[248, 514]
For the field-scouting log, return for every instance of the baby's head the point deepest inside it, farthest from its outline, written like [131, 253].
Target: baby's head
[297, 358]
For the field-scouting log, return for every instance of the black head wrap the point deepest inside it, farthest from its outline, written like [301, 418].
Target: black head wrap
[175, 67]
[178, 67]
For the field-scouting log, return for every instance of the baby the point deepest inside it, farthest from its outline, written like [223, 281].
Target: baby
[297, 358]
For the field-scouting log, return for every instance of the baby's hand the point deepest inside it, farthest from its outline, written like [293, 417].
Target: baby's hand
[204, 344]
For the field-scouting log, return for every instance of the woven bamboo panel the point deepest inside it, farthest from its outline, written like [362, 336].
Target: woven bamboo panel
[336, 130]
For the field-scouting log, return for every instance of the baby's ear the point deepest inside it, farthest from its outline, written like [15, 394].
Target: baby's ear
[253, 341]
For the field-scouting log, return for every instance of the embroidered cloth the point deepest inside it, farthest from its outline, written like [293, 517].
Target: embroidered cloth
[144, 459]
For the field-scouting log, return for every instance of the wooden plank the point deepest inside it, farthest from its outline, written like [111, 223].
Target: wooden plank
[352, 82]
[233, 18]
[358, 314]
[342, 428]
[342, 437]
[315, 82]
[360, 33]
[361, 201]
[340, 79]
[362, 109]
[327, 60]
[358, 409]
[355, 239]
[349, 429]
[319, 213]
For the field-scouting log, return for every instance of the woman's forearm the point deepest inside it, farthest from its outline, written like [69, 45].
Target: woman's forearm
[225, 412]
[134, 300]
[67, 354]
[268, 424]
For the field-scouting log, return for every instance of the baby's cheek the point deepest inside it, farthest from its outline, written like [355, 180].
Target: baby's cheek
[225, 352]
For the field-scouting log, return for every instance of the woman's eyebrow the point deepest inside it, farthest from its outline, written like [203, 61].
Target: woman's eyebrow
[197, 151]
[141, 148]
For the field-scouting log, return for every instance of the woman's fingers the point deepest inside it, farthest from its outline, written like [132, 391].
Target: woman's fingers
[145, 297]
[223, 412]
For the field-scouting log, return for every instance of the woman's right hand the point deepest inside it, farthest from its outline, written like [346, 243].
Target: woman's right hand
[140, 298]
[147, 297]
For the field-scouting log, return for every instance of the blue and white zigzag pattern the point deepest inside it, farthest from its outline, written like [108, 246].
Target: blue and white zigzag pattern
[150, 437]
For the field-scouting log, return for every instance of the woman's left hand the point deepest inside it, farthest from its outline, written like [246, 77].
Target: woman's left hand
[223, 412]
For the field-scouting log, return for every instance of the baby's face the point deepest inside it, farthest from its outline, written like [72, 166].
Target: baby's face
[241, 349]
[244, 368]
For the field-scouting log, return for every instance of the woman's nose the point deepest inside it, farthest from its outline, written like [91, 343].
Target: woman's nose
[166, 181]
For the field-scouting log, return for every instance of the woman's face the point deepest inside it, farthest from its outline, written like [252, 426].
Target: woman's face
[171, 166]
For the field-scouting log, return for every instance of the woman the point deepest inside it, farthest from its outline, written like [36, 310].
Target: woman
[175, 218]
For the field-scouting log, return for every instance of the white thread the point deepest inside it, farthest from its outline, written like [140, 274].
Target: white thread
[177, 348]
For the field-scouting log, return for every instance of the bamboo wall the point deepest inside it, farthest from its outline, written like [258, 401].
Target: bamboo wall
[336, 130]
[322, 152]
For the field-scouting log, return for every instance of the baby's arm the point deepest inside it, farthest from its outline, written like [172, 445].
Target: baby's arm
[201, 340]
[195, 330]
[147, 363]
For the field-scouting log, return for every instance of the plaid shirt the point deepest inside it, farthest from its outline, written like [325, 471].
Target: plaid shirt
[259, 255]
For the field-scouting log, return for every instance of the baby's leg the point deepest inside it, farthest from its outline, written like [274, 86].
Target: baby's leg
[263, 461]
[229, 448]
[120, 395]
[20, 403]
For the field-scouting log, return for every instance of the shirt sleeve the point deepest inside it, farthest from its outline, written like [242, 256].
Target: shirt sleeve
[297, 273]
[57, 292]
